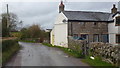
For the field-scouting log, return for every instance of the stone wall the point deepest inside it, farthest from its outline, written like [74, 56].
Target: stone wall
[78, 45]
[109, 53]
[89, 28]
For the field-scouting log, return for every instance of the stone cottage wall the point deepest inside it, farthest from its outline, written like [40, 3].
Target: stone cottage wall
[89, 28]
[109, 53]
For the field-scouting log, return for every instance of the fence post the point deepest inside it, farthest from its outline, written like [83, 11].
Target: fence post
[85, 48]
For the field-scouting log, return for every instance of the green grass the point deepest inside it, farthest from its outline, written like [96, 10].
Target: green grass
[66, 50]
[98, 63]
[29, 41]
[47, 44]
[15, 34]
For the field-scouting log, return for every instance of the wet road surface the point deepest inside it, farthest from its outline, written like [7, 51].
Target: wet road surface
[36, 54]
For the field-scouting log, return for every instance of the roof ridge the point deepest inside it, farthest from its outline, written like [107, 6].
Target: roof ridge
[88, 12]
[88, 15]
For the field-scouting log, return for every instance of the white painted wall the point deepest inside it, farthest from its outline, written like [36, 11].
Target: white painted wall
[60, 31]
[60, 18]
[112, 38]
[113, 30]
[52, 36]
[61, 35]
[119, 30]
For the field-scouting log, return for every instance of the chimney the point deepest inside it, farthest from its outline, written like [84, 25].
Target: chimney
[114, 9]
[61, 7]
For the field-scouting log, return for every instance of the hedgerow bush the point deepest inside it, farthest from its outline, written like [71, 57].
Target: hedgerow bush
[6, 44]
[9, 47]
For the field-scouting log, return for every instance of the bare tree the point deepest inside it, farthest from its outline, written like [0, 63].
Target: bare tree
[13, 21]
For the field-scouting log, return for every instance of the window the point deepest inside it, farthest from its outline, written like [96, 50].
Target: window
[118, 21]
[118, 38]
[85, 36]
[96, 38]
[105, 38]
[75, 36]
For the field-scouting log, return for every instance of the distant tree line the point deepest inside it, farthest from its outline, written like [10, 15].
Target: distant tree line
[9, 23]
[34, 32]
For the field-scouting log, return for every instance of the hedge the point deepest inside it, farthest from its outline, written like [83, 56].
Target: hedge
[9, 48]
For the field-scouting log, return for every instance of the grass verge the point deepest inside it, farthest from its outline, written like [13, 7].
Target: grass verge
[66, 50]
[29, 41]
[96, 63]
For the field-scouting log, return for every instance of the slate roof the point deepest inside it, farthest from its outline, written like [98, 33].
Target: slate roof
[88, 16]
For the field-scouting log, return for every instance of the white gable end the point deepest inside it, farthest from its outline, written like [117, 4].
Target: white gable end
[60, 18]
[60, 31]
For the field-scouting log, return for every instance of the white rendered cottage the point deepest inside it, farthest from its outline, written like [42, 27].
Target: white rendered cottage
[93, 26]
[114, 29]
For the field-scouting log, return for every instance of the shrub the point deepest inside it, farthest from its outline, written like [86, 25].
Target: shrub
[9, 47]
[8, 44]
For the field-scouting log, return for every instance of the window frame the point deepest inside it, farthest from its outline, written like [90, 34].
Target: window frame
[87, 36]
[94, 37]
[116, 24]
[75, 35]
[116, 38]
[103, 38]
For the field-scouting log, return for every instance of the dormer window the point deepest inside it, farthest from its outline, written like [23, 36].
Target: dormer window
[117, 21]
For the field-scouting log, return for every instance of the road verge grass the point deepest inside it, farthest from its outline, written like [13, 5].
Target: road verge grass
[29, 41]
[66, 50]
[96, 63]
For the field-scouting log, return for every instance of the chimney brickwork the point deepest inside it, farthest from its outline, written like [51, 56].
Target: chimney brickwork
[114, 9]
[61, 7]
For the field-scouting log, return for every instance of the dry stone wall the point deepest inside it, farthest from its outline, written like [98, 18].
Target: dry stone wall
[109, 53]
[78, 45]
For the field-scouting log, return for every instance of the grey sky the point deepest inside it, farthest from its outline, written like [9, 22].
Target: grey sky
[45, 13]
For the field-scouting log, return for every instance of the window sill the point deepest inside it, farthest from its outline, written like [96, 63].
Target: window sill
[117, 25]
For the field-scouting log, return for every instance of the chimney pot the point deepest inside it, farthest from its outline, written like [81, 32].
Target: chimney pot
[114, 9]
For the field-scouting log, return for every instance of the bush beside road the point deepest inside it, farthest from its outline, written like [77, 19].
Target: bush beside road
[9, 48]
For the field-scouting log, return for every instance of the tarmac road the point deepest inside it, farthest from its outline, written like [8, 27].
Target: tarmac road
[36, 54]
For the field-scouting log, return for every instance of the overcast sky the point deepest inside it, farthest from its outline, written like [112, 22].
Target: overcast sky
[45, 13]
